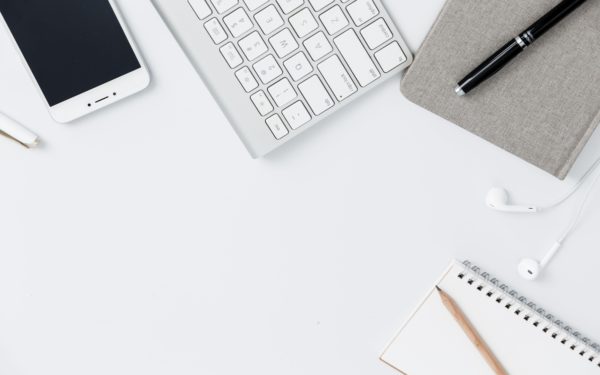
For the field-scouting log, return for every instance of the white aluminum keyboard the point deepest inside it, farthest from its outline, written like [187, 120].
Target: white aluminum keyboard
[295, 61]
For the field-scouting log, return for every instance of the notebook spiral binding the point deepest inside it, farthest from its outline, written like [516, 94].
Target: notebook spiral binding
[530, 312]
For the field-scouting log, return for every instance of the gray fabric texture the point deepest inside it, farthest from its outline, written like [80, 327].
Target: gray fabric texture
[543, 107]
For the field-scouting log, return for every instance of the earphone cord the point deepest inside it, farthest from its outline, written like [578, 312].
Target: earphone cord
[576, 187]
[584, 203]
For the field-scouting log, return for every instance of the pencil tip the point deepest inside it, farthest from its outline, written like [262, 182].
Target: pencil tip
[438, 288]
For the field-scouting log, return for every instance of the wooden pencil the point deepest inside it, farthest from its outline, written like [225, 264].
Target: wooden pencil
[471, 333]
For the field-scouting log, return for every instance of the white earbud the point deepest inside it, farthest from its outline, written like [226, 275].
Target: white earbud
[530, 269]
[497, 199]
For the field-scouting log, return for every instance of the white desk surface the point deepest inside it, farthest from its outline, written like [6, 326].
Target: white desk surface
[144, 240]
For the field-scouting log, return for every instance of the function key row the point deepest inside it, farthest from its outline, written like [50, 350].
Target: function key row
[359, 11]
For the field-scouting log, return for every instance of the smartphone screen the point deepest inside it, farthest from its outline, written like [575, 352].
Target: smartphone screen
[71, 46]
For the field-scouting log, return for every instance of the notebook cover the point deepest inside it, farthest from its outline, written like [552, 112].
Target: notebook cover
[524, 339]
[543, 107]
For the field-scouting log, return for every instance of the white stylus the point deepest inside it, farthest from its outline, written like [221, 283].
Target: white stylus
[17, 132]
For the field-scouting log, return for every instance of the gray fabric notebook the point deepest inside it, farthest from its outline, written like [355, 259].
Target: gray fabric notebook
[543, 107]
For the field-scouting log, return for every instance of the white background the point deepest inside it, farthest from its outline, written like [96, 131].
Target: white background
[144, 240]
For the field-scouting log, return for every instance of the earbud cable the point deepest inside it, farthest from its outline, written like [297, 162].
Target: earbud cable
[584, 202]
[575, 187]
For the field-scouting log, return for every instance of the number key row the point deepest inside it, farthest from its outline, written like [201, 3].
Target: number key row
[238, 22]
[269, 19]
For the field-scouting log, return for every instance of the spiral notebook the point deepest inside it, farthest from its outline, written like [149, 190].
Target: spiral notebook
[525, 338]
[543, 107]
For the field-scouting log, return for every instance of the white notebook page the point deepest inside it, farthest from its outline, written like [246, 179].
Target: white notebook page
[431, 341]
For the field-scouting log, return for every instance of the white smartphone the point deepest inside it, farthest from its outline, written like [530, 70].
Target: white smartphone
[79, 53]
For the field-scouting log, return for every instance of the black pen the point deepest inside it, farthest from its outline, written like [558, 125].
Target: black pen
[513, 48]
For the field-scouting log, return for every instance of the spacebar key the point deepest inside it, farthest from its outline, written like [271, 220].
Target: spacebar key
[357, 58]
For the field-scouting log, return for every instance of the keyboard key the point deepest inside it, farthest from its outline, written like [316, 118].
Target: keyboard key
[318, 46]
[288, 6]
[267, 69]
[215, 30]
[282, 92]
[262, 103]
[357, 57]
[316, 95]
[390, 57]
[223, 6]
[298, 66]
[296, 61]
[376, 33]
[253, 46]
[320, 4]
[296, 115]
[362, 11]
[201, 8]
[338, 79]
[277, 127]
[269, 19]
[238, 22]
[283, 43]
[255, 4]
[334, 20]
[303, 22]
[231, 55]
[246, 78]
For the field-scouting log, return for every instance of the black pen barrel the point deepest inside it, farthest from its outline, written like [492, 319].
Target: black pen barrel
[513, 48]
[552, 18]
[489, 67]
